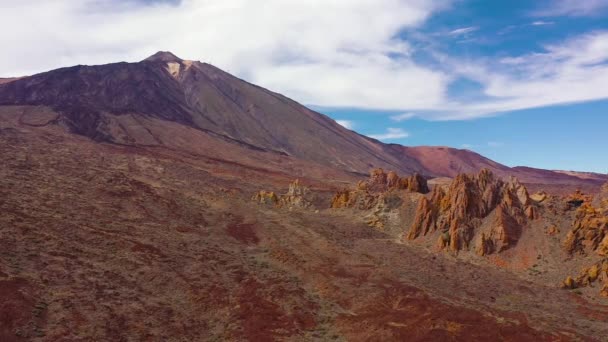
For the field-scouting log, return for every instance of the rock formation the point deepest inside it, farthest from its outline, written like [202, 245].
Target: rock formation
[458, 213]
[539, 196]
[366, 193]
[575, 200]
[380, 194]
[601, 200]
[266, 197]
[359, 199]
[589, 237]
[415, 183]
[596, 273]
[589, 232]
[296, 197]
[385, 204]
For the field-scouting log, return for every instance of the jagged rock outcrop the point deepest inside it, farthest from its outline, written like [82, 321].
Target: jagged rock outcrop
[589, 236]
[359, 199]
[589, 232]
[415, 183]
[596, 273]
[367, 193]
[458, 213]
[296, 197]
[576, 200]
[379, 194]
[380, 181]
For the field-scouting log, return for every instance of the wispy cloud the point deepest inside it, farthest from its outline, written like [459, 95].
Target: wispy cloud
[541, 23]
[346, 123]
[571, 71]
[403, 117]
[390, 134]
[467, 146]
[573, 8]
[463, 31]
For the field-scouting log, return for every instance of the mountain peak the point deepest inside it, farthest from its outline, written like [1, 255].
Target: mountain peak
[164, 56]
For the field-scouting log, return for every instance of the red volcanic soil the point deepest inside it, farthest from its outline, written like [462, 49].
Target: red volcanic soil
[21, 316]
[243, 232]
[264, 320]
[401, 313]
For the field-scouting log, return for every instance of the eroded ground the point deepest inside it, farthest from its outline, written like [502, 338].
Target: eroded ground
[103, 242]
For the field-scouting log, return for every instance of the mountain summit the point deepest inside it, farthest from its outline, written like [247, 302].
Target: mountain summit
[163, 56]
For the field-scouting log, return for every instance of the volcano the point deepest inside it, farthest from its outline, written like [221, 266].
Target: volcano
[195, 107]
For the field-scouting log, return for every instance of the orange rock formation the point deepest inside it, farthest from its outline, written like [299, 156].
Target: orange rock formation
[296, 197]
[457, 213]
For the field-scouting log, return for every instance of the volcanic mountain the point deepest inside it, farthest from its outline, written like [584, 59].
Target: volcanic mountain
[197, 108]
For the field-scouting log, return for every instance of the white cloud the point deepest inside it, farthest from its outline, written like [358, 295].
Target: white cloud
[573, 8]
[324, 53]
[575, 70]
[390, 134]
[346, 123]
[467, 146]
[403, 117]
[541, 23]
[463, 31]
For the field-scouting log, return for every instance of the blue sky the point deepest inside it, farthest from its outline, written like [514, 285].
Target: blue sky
[523, 82]
[571, 136]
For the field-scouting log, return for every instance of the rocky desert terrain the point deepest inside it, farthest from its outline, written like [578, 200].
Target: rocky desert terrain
[169, 201]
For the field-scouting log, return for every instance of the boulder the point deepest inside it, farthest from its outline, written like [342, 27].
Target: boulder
[604, 291]
[569, 283]
[539, 197]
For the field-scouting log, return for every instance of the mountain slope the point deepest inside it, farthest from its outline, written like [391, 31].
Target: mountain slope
[197, 108]
[96, 101]
[449, 162]
[6, 80]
